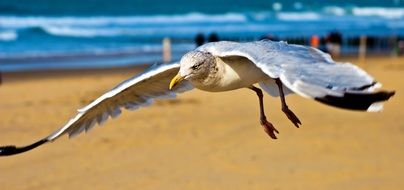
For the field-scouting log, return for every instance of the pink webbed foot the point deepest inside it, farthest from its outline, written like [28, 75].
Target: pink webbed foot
[292, 117]
[269, 128]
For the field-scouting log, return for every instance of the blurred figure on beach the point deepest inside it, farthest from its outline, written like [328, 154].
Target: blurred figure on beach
[213, 37]
[315, 41]
[199, 39]
[333, 43]
[400, 48]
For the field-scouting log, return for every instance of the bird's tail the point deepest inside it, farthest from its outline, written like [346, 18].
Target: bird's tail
[361, 101]
[362, 98]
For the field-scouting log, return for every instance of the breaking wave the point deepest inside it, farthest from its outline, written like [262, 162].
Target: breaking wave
[37, 21]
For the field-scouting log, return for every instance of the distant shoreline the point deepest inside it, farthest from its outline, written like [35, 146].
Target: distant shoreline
[8, 77]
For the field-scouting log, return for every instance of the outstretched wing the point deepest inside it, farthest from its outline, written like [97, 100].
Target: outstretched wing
[308, 72]
[131, 94]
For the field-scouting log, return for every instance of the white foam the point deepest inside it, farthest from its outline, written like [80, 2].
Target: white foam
[155, 31]
[40, 21]
[277, 6]
[390, 13]
[8, 35]
[335, 10]
[88, 32]
[298, 16]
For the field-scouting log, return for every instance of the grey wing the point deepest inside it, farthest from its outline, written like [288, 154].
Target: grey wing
[306, 71]
[271, 57]
[131, 94]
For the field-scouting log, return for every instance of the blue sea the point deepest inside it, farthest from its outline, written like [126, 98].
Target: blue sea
[65, 34]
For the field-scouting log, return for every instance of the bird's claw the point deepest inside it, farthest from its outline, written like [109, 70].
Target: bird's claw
[292, 117]
[269, 128]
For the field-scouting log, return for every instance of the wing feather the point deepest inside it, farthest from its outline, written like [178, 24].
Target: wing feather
[294, 63]
[306, 71]
[139, 91]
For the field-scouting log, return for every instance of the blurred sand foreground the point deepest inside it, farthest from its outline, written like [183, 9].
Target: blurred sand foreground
[201, 140]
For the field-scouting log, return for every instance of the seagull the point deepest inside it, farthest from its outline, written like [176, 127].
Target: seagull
[278, 68]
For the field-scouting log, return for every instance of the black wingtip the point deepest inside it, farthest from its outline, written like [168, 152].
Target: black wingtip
[12, 150]
[356, 101]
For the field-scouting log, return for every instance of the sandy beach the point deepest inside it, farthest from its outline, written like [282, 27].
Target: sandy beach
[200, 140]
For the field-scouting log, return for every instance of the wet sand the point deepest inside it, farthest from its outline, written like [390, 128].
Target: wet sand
[200, 140]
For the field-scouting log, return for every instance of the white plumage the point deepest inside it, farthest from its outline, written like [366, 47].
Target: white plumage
[294, 64]
[279, 68]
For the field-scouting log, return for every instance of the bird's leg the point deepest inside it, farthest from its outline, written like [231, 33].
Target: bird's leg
[292, 117]
[268, 127]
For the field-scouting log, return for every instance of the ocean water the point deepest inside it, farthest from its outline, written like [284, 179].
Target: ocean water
[61, 34]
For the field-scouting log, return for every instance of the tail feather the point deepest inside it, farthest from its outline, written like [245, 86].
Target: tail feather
[362, 101]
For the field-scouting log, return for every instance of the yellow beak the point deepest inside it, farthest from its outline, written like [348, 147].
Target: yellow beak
[177, 79]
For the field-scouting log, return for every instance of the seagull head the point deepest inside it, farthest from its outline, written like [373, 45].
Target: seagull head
[195, 66]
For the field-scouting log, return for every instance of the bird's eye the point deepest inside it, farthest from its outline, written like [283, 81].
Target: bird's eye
[196, 66]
